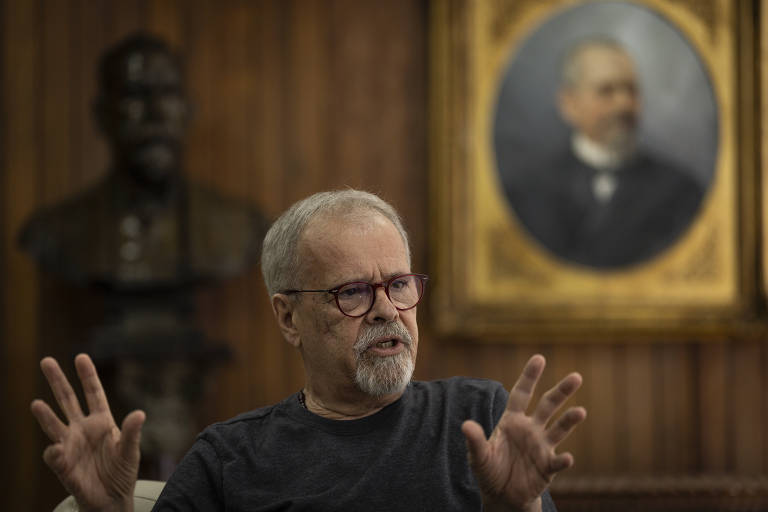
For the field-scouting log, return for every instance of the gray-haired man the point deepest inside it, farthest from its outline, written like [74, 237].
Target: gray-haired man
[360, 435]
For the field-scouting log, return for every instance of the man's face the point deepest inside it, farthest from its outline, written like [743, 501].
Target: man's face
[603, 104]
[344, 355]
[144, 113]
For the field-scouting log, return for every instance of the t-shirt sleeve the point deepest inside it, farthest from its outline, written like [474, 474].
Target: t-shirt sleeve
[196, 484]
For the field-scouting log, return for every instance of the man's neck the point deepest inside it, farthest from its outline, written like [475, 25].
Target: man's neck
[347, 406]
[144, 194]
[598, 156]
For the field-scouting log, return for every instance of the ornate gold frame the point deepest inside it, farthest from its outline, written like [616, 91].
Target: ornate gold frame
[491, 282]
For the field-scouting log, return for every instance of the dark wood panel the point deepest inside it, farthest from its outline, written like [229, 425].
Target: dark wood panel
[744, 408]
[21, 89]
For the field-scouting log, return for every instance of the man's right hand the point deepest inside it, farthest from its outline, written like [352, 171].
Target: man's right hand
[95, 461]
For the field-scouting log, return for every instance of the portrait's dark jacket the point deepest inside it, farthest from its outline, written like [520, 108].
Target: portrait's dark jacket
[652, 206]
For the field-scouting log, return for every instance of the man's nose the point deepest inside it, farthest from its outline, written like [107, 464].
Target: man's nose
[626, 98]
[382, 310]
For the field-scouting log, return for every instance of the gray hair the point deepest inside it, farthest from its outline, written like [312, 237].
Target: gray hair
[280, 252]
[570, 70]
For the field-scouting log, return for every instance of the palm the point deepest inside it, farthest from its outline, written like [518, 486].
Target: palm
[93, 459]
[517, 463]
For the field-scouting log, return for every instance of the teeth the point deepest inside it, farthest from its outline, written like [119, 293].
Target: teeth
[386, 344]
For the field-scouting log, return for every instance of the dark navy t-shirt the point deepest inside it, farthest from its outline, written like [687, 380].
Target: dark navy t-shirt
[411, 455]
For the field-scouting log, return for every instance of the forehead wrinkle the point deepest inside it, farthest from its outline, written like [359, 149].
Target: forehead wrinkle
[323, 245]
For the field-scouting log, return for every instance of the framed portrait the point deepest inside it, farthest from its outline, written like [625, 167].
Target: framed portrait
[593, 165]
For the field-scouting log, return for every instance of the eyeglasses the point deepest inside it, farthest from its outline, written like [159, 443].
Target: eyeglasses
[356, 299]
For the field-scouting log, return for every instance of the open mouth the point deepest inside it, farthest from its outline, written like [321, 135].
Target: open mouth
[387, 343]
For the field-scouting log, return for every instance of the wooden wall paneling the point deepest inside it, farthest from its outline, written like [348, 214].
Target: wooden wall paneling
[167, 18]
[281, 29]
[639, 411]
[123, 18]
[271, 109]
[350, 31]
[601, 392]
[745, 407]
[309, 122]
[677, 417]
[764, 404]
[92, 36]
[7, 428]
[21, 181]
[237, 388]
[714, 394]
[56, 142]
[199, 53]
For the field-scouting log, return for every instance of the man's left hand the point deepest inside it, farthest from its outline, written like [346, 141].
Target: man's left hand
[518, 462]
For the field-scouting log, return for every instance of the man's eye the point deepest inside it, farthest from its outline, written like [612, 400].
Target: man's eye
[351, 291]
[399, 284]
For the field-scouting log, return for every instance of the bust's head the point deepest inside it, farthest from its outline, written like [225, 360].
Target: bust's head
[142, 107]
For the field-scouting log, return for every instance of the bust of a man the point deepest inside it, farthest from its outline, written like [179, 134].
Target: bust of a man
[144, 226]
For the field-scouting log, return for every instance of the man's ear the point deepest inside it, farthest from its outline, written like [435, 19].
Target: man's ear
[284, 308]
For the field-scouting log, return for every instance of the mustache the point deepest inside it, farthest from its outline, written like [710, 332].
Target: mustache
[626, 119]
[379, 331]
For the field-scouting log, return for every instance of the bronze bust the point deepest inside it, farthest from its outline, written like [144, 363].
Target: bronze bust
[144, 226]
[147, 238]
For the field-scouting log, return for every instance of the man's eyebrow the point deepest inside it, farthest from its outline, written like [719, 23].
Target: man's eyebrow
[340, 282]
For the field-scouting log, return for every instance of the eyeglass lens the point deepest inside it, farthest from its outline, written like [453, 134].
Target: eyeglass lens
[403, 291]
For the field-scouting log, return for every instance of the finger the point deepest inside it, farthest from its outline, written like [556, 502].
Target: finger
[521, 392]
[553, 399]
[563, 427]
[130, 438]
[65, 395]
[49, 422]
[477, 445]
[53, 455]
[92, 388]
[560, 462]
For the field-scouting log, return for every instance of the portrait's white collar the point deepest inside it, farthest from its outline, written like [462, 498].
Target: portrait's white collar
[595, 155]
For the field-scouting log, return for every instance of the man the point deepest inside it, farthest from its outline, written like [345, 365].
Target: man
[604, 202]
[360, 435]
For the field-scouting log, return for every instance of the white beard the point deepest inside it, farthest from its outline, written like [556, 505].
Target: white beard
[378, 376]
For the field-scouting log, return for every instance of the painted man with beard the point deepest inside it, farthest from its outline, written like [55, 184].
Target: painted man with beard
[360, 435]
[604, 202]
[144, 225]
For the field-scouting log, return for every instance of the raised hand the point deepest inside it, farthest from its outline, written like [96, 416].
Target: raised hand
[95, 461]
[518, 462]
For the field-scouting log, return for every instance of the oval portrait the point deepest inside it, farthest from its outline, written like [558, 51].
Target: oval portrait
[605, 134]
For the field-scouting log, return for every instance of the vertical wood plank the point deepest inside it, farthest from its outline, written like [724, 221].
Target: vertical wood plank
[744, 399]
[56, 144]
[91, 38]
[639, 410]
[21, 90]
[165, 18]
[601, 392]
[714, 394]
[677, 410]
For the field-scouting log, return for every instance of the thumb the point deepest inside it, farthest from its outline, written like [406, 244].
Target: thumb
[477, 445]
[131, 436]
